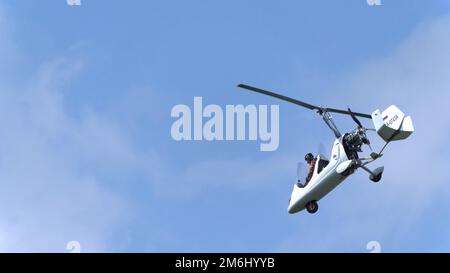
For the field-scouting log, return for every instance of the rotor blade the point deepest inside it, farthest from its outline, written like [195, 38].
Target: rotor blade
[281, 97]
[301, 103]
[370, 146]
[344, 112]
[354, 118]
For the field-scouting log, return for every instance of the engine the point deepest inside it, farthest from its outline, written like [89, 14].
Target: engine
[353, 142]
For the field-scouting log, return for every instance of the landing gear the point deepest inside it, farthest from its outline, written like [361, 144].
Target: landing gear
[312, 207]
[376, 175]
[376, 179]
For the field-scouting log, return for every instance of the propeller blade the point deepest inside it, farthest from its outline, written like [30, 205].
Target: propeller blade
[354, 118]
[299, 171]
[321, 149]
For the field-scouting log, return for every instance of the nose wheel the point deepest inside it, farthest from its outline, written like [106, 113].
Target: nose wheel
[312, 207]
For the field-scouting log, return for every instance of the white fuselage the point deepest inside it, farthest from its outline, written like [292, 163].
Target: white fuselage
[321, 183]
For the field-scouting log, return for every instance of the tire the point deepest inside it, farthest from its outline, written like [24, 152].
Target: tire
[377, 178]
[312, 207]
[379, 174]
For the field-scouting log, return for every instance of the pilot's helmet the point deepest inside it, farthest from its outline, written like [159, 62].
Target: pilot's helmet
[309, 157]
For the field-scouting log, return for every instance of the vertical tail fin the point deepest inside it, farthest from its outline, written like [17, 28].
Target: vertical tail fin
[392, 124]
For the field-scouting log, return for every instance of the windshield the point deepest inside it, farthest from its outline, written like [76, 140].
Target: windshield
[322, 164]
[301, 173]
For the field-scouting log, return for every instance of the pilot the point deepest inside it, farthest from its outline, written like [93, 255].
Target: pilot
[309, 158]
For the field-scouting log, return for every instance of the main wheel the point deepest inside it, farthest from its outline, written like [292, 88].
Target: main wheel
[312, 207]
[376, 178]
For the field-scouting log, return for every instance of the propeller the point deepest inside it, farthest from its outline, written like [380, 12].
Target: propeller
[355, 119]
[361, 128]
[299, 171]
[321, 149]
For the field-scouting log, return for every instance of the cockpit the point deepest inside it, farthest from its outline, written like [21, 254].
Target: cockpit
[320, 164]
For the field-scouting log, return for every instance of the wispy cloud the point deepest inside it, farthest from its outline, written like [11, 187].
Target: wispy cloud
[52, 165]
[242, 173]
[58, 171]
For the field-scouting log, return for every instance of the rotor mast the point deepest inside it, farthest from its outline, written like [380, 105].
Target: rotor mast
[330, 123]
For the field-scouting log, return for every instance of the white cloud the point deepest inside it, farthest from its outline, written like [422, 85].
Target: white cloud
[53, 166]
[238, 173]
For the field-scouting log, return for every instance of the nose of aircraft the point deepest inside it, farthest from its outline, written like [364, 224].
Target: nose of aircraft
[291, 209]
[289, 206]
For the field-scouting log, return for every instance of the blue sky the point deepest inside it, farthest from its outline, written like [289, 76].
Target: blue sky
[85, 100]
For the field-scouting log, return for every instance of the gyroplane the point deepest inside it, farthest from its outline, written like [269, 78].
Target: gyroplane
[327, 173]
